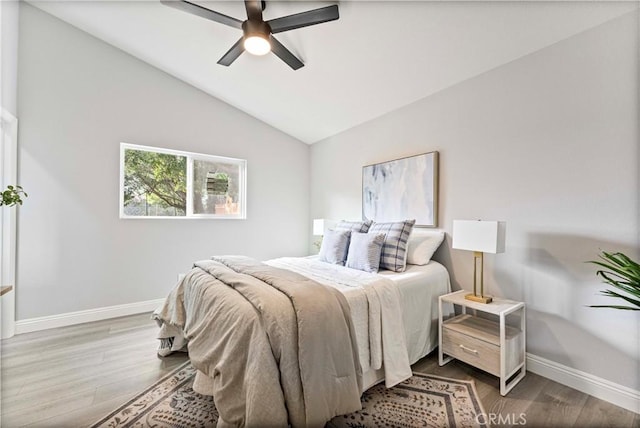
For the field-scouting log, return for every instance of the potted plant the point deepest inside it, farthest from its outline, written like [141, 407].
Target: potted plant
[623, 274]
[12, 196]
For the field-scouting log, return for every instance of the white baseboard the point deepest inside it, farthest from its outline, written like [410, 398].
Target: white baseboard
[589, 384]
[79, 317]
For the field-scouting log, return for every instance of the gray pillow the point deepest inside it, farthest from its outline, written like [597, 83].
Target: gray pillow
[364, 251]
[354, 226]
[394, 249]
[335, 245]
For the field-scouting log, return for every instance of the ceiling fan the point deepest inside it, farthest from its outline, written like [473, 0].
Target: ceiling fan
[257, 37]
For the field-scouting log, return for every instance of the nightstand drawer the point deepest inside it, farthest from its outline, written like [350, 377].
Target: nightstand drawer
[478, 353]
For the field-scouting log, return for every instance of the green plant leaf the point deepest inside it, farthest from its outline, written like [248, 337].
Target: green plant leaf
[617, 269]
[610, 293]
[12, 196]
[622, 273]
[615, 307]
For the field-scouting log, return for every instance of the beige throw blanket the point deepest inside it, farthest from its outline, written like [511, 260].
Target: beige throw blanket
[376, 313]
[279, 347]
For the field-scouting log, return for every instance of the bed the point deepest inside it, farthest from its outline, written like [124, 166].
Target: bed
[304, 349]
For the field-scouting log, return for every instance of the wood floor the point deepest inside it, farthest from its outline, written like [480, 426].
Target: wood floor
[72, 376]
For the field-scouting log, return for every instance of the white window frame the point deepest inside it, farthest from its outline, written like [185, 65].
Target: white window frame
[242, 185]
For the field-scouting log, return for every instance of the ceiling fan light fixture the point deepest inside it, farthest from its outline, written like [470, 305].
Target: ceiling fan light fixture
[256, 37]
[257, 45]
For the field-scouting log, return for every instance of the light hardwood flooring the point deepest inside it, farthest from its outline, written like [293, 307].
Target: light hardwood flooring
[73, 376]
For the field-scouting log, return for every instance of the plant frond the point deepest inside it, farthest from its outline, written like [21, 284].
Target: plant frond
[622, 262]
[610, 293]
[627, 286]
[622, 273]
[609, 275]
[615, 307]
[628, 260]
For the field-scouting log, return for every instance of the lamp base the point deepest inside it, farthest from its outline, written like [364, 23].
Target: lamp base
[479, 299]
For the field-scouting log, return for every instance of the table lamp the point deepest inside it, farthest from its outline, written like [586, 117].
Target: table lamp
[480, 237]
[320, 226]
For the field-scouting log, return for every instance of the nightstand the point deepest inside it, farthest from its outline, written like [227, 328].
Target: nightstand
[488, 343]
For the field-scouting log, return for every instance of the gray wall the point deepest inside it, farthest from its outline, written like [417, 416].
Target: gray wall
[9, 60]
[78, 99]
[548, 143]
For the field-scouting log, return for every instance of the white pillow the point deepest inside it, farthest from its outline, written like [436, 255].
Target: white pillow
[422, 245]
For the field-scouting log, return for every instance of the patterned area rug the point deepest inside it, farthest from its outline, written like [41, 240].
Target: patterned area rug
[421, 401]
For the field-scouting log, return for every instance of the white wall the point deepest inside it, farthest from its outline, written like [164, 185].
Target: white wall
[548, 143]
[78, 99]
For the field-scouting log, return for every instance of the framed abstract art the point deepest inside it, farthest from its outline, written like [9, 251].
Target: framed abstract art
[402, 189]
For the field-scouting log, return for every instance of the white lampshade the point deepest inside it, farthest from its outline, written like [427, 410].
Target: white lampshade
[321, 225]
[318, 227]
[477, 235]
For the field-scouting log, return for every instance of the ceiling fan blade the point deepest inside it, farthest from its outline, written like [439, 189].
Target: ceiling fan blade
[284, 54]
[304, 19]
[254, 9]
[203, 12]
[233, 53]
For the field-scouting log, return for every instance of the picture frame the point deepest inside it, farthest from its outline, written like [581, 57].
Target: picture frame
[401, 189]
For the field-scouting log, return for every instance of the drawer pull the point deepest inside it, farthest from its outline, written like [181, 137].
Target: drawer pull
[464, 348]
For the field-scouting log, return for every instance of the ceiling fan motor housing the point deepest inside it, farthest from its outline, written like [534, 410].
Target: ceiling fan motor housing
[252, 28]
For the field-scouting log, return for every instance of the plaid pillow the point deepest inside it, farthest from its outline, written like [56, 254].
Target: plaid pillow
[394, 249]
[354, 226]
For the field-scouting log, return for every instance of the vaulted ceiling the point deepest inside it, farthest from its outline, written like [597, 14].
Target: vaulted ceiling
[378, 57]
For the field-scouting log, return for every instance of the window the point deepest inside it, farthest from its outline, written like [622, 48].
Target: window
[163, 183]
